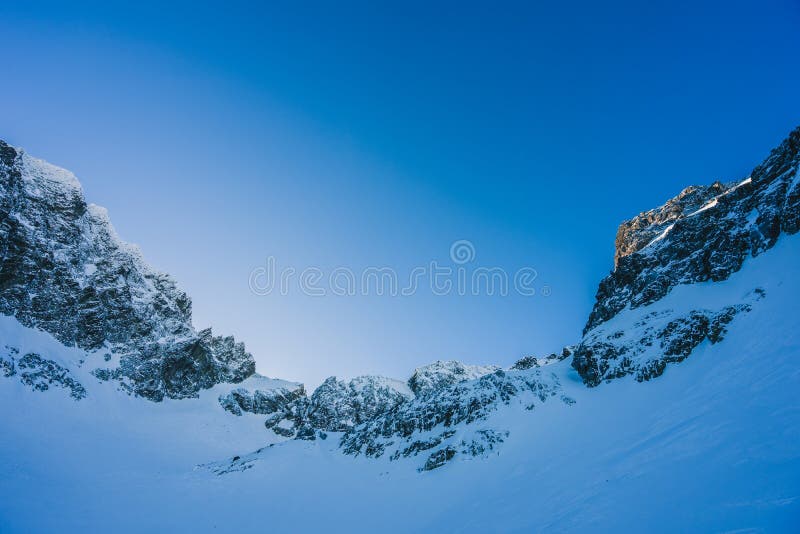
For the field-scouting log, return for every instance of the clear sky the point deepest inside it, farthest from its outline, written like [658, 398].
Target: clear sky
[352, 135]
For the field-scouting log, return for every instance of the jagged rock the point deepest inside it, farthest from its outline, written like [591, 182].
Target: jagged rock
[439, 458]
[420, 445]
[337, 406]
[529, 362]
[278, 400]
[39, 373]
[705, 233]
[445, 373]
[637, 233]
[376, 415]
[645, 349]
[7, 366]
[485, 441]
[428, 421]
[64, 270]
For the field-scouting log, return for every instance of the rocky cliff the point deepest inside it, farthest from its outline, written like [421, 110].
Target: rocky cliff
[704, 234]
[64, 270]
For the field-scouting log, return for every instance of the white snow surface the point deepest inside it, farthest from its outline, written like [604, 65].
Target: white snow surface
[711, 445]
[662, 235]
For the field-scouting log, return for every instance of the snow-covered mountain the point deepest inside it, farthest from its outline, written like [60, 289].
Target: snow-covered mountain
[703, 234]
[64, 270]
[119, 414]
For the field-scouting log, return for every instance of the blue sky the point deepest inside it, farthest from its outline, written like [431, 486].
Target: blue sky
[352, 134]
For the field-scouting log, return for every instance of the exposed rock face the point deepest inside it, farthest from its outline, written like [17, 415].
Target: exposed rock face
[39, 373]
[375, 415]
[272, 401]
[645, 348]
[529, 362]
[64, 270]
[337, 406]
[637, 233]
[427, 424]
[705, 233]
[440, 374]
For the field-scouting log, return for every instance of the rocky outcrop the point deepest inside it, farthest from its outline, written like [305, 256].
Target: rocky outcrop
[442, 422]
[440, 374]
[338, 406]
[271, 401]
[64, 270]
[645, 348]
[703, 234]
[528, 362]
[645, 228]
[39, 373]
[375, 416]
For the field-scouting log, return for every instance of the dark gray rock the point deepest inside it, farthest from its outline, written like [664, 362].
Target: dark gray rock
[440, 410]
[39, 373]
[441, 374]
[7, 367]
[645, 350]
[703, 234]
[273, 401]
[64, 270]
[337, 406]
[439, 458]
[529, 362]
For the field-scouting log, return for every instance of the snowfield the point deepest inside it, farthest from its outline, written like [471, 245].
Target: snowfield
[711, 445]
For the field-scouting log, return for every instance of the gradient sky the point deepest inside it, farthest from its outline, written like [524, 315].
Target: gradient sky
[352, 134]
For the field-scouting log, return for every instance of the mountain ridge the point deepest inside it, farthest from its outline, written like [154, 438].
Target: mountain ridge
[64, 269]
[706, 233]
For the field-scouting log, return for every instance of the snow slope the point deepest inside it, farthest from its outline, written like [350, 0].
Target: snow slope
[713, 444]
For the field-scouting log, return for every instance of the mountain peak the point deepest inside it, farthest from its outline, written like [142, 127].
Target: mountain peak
[704, 233]
[64, 270]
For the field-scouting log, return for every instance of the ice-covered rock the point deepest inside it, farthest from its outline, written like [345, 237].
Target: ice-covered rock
[533, 361]
[445, 373]
[64, 270]
[337, 406]
[263, 402]
[656, 338]
[38, 372]
[703, 234]
[440, 422]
